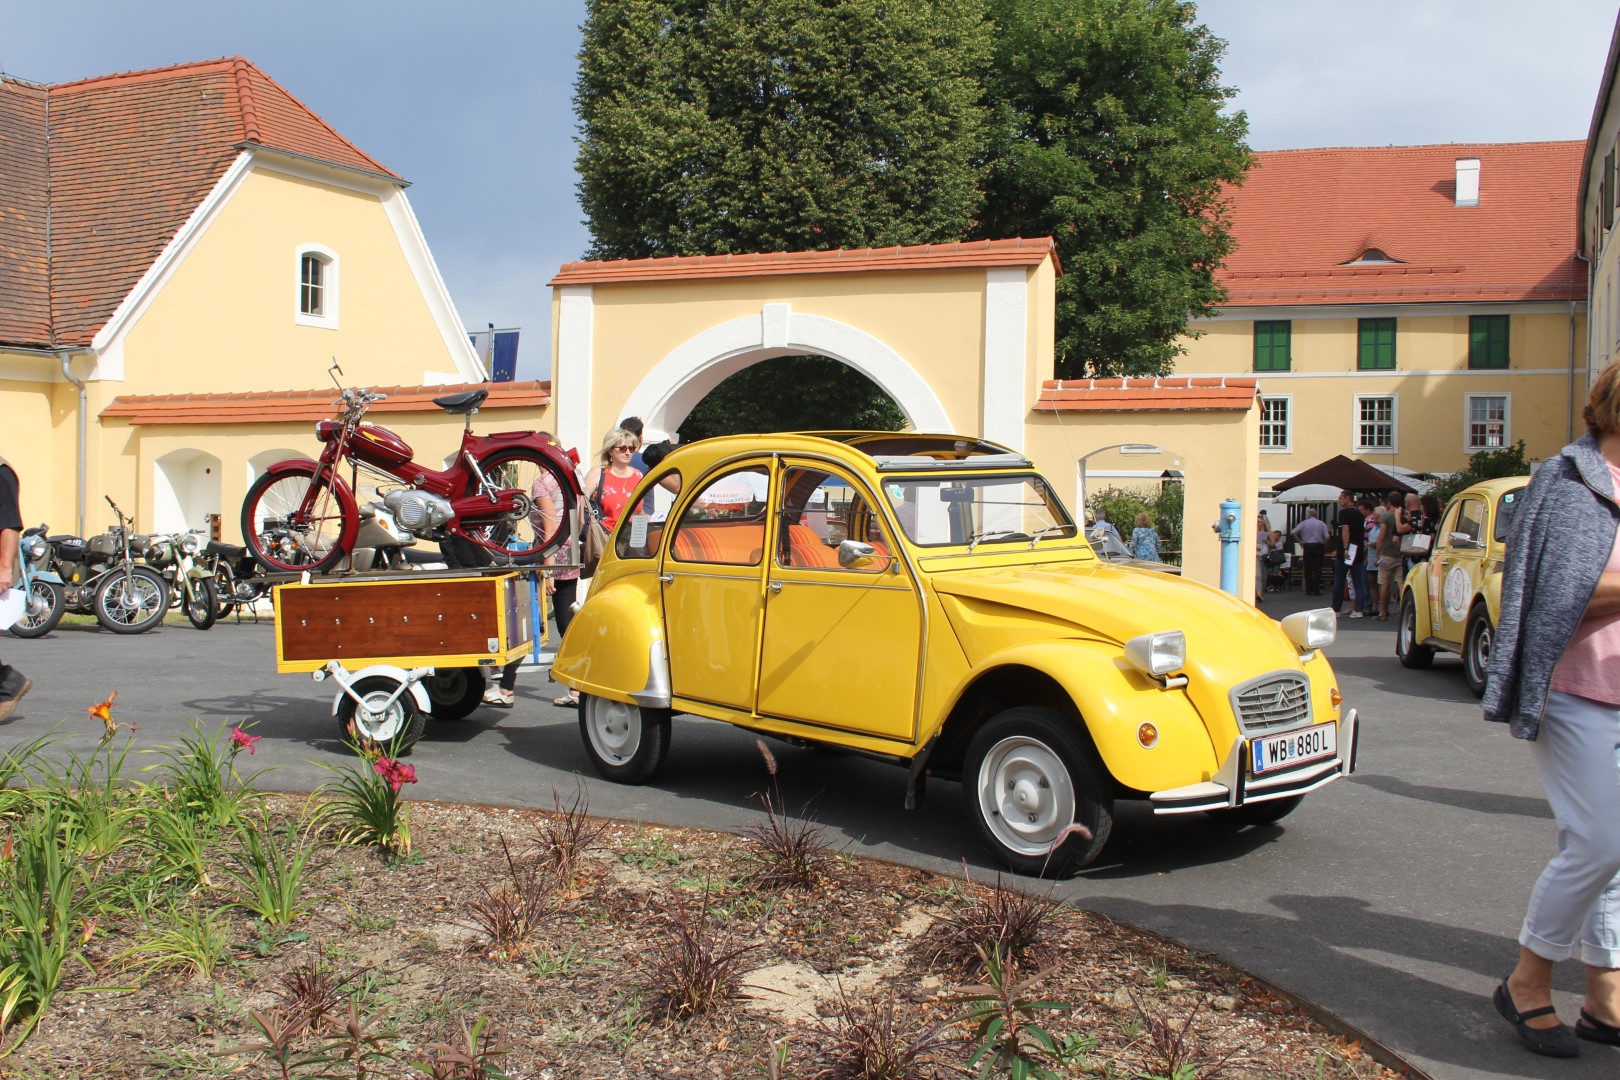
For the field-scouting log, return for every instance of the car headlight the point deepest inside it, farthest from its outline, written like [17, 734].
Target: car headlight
[189, 544]
[1157, 654]
[33, 548]
[1313, 629]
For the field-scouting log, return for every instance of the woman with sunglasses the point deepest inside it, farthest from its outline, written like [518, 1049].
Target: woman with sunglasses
[614, 479]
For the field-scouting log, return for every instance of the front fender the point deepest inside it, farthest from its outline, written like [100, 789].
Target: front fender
[45, 575]
[1114, 699]
[340, 488]
[614, 647]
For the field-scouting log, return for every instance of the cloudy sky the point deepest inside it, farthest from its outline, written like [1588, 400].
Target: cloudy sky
[471, 101]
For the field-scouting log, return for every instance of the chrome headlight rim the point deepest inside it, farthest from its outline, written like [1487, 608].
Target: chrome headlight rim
[189, 544]
[33, 548]
[1158, 654]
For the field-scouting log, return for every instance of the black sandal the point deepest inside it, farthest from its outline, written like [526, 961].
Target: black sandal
[1549, 1042]
[1592, 1029]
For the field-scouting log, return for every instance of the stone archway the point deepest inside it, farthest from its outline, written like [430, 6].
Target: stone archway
[186, 491]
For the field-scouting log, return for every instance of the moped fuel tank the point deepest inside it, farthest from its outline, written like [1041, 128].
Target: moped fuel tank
[379, 446]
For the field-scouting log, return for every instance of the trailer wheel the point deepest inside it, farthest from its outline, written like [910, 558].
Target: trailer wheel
[626, 743]
[454, 692]
[389, 728]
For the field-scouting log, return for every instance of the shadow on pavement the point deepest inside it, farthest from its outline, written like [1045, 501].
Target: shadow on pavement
[1484, 802]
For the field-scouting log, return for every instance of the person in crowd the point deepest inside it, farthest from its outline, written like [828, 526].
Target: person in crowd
[13, 683]
[1349, 553]
[634, 426]
[1389, 555]
[1313, 535]
[1411, 525]
[561, 585]
[1278, 562]
[1262, 548]
[1145, 539]
[614, 479]
[1103, 525]
[1554, 678]
[1431, 514]
[1367, 580]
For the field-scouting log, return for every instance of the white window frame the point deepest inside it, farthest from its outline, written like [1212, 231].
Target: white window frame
[1394, 424]
[1468, 422]
[1287, 401]
[328, 318]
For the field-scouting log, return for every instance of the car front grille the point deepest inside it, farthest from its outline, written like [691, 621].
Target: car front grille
[1272, 703]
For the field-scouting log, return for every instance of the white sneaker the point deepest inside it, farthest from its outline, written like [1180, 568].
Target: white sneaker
[1353, 615]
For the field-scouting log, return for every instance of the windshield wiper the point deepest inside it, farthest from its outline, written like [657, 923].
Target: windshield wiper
[994, 534]
[1048, 529]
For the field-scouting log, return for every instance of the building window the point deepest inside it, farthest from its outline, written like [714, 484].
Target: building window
[1488, 341]
[317, 303]
[1274, 428]
[1376, 350]
[1488, 416]
[1375, 423]
[1271, 345]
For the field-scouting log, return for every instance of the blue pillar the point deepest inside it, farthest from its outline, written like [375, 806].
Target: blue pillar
[1231, 544]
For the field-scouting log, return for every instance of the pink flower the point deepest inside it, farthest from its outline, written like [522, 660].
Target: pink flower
[394, 773]
[241, 740]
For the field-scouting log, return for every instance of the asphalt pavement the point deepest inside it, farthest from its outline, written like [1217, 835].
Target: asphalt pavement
[1390, 901]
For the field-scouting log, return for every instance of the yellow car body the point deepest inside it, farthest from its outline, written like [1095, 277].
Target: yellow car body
[1452, 600]
[928, 600]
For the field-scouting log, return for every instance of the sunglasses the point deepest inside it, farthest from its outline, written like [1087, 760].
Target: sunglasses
[624, 449]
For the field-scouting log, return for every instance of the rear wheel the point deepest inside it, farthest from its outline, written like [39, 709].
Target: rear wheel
[42, 612]
[522, 537]
[293, 520]
[1028, 779]
[380, 720]
[1477, 649]
[1411, 654]
[626, 743]
[132, 601]
[453, 693]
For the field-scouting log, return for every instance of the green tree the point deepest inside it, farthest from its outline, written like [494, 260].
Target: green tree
[793, 393]
[1484, 465]
[1107, 134]
[720, 126]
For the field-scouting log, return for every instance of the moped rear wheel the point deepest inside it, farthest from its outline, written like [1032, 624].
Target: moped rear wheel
[281, 534]
[45, 598]
[133, 601]
[521, 539]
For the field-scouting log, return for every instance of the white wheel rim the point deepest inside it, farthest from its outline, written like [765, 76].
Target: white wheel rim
[614, 729]
[1026, 795]
[1480, 654]
[1408, 627]
[377, 719]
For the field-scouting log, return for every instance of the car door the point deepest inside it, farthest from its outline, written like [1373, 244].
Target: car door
[1457, 567]
[711, 584]
[841, 646]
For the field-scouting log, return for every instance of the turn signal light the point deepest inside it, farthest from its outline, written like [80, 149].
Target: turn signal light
[1335, 697]
[1148, 736]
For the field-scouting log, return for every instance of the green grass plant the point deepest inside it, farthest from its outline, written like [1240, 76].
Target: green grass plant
[363, 804]
[267, 871]
[190, 939]
[201, 777]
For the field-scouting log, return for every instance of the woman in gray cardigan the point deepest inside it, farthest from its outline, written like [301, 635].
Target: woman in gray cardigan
[1555, 679]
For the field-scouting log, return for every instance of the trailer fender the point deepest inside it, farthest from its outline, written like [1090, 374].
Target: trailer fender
[411, 679]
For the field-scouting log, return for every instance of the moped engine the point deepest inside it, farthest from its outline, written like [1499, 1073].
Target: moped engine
[418, 511]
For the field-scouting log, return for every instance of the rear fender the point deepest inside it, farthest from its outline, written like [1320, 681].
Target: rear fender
[614, 648]
[1114, 700]
[340, 488]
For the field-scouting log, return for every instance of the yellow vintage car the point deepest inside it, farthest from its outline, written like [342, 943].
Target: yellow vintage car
[928, 600]
[1452, 600]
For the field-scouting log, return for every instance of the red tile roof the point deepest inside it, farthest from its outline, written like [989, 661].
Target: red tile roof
[1147, 395]
[285, 406]
[1014, 252]
[1302, 214]
[124, 160]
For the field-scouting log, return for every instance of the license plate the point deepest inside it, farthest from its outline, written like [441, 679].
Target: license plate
[1280, 751]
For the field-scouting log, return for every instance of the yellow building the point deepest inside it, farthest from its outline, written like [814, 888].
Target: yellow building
[1599, 178]
[195, 233]
[1408, 306]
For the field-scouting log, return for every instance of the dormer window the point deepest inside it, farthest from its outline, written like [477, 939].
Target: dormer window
[1373, 257]
[317, 287]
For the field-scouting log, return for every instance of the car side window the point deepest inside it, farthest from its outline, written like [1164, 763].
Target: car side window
[725, 521]
[1468, 528]
[817, 510]
[641, 538]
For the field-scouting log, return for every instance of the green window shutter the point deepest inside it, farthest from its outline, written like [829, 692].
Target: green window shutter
[1376, 348]
[1488, 341]
[1272, 341]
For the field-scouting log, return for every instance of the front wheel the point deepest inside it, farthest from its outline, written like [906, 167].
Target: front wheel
[381, 720]
[626, 743]
[1477, 649]
[1028, 778]
[1407, 649]
[293, 520]
[42, 611]
[202, 605]
[453, 693]
[519, 538]
[132, 601]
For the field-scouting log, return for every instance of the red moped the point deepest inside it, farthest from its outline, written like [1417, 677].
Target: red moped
[302, 514]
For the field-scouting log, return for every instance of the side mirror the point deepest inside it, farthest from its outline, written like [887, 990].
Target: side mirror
[852, 553]
[1460, 540]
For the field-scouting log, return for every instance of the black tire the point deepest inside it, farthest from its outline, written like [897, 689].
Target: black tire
[203, 609]
[313, 544]
[1411, 654]
[1260, 813]
[132, 603]
[1036, 760]
[626, 743]
[1477, 649]
[517, 542]
[391, 730]
[50, 594]
[453, 693]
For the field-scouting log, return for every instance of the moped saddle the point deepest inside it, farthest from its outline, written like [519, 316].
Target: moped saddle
[464, 402]
[225, 551]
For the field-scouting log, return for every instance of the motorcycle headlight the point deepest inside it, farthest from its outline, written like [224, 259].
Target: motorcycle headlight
[1157, 654]
[33, 548]
[189, 545]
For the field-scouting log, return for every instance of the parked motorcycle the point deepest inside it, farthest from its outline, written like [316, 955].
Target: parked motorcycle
[101, 577]
[40, 584]
[302, 514]
[190, 580]
[237, 580]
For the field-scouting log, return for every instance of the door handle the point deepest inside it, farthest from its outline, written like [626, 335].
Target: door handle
[774, 587]
[666, 578]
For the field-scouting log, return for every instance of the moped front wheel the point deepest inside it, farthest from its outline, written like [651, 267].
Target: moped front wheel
[42, 612]
[132, 601]
[202, 604]
[281, 533]
[520, 539]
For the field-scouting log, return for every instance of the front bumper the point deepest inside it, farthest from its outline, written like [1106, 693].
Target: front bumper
[1233, 786]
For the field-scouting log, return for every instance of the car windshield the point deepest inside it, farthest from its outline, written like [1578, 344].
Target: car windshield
[943, 511]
